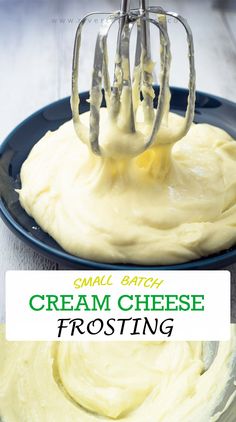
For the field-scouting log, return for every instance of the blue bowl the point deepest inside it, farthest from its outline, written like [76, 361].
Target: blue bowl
[17, 145]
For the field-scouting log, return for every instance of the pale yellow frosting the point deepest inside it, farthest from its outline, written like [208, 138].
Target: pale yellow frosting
[171, 204]
[99, 381]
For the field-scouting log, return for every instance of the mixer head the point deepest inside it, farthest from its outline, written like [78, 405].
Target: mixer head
[123, 97]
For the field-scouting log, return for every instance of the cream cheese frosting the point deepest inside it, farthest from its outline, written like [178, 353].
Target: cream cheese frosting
[104, 381]
[173, 203]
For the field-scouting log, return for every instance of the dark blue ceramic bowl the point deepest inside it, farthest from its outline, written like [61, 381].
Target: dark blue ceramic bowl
[17, 145]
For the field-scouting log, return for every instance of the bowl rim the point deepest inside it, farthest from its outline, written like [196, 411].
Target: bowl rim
[211, 261]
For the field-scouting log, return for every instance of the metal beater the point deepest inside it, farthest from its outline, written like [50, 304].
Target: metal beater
[140, 84]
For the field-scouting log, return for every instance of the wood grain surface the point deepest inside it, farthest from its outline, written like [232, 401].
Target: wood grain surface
[36, 44]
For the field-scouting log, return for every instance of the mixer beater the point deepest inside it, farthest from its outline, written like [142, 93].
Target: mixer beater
[127, 90]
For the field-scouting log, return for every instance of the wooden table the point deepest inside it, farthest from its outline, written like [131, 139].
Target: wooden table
[36, 45]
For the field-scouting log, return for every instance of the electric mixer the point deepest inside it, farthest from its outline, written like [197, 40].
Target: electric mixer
[127, 87]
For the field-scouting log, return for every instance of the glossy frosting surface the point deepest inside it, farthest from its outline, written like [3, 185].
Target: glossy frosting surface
[174, 203]
[99, 381]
